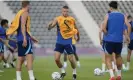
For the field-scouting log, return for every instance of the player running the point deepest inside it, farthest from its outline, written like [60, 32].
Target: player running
[11, 53]
[21, 24]
[65, 31]
[130, 46]
[3, 38]
[114, 22]
[75, 39]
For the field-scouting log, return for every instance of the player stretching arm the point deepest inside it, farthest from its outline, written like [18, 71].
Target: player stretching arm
[65, 31]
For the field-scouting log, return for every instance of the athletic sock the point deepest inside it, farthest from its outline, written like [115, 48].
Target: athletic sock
[18, 75]
[65, 64]
[113, 65]
[78, 63]
[111, 73]
[119, 73]
[116, 68]
[103, 67]
[31, 75]
[128, 65]
[62, 70]
[74, 71]
[123, 66]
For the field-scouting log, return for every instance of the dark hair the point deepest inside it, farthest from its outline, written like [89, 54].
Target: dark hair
[65, 7]
[109, 11]
[113, 4]
[4, 21]
[25, 3]
[129, 17]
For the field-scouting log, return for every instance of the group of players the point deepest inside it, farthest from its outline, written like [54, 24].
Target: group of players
[67, 36]
[116, 28]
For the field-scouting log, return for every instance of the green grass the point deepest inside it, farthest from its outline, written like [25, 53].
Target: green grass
[44, 66]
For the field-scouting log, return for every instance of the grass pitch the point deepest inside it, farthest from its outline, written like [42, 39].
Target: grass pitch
[44, 66]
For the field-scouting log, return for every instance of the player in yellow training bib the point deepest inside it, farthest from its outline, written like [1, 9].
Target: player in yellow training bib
[65, 31]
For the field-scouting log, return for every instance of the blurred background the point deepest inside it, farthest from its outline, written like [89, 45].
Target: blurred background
[88, 15]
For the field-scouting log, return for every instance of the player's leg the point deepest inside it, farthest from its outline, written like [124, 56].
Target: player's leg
[76, 56]
[20, 60]
[0, 61]
[5, 64]
[108, 58]
[130, 48]
[12, 63]
[128, 58]
[70, 51]
[65, 59]
[103, 57]
[29, 59]
[59, 49]
[19, 67]
[114, 62]
[118, 49]
[103, 62]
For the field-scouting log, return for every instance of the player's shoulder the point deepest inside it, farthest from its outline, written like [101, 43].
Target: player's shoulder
[58, 17]
[71, 17]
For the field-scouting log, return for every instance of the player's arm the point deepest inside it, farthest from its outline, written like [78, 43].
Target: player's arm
[52, 24]
[104, 29]
[14, 40]
[23, 28]
[126, 36]
[128, 26]
[78, 34]
[6, 44]
[100, 33]
[34, 39]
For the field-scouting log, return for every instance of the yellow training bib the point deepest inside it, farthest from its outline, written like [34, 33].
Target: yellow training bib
[67, 26]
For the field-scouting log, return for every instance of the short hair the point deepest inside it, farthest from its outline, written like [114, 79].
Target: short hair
[4, 21]
[113, 4]
[109, 11]
[129, 17]
[65, 7]
[25, 3]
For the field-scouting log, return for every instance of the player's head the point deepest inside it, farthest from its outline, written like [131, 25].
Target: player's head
[4, 23]
[25, 4]
[109, 11]
[113, 5]
[129, 17]
[65, 11]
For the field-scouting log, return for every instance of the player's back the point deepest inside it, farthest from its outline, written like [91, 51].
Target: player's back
[115, 27]
[19, 32]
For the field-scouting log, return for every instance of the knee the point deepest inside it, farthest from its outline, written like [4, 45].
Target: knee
[57, 60]
[71, 59]
[118, 56]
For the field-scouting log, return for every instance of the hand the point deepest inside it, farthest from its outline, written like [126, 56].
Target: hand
[34, 40]
[49, 26]
[128, 40]
[101, 42]
[24, 42]
[78, 38]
